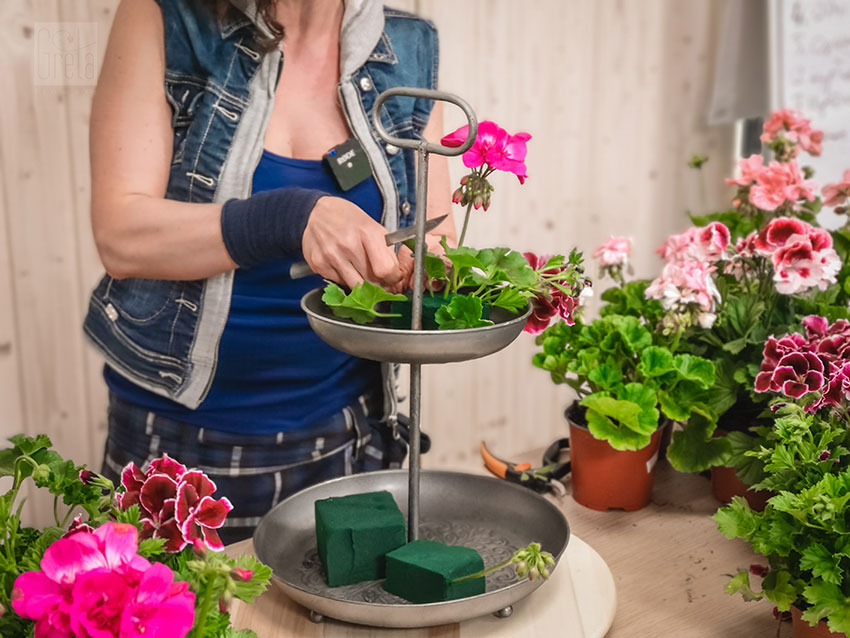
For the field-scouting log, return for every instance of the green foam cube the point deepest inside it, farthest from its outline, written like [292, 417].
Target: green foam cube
[355, 532]
[422, 572]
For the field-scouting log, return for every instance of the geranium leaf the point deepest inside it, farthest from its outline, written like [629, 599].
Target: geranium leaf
[823, 564]
[696, 369]
[694, 449]
[359, 304]
[511, 299]
[740, 584]
[736, 520]
[462, 312]
[656, 361]
[606, 377]
[779, 589]
[435, 267]
[827, 601]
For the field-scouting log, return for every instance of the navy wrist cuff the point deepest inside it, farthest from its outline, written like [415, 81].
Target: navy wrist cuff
[268, 225]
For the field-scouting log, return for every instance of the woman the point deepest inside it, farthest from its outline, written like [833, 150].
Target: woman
[208, 127]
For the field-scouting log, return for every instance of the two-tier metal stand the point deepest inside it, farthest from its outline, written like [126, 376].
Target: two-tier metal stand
[479, 512]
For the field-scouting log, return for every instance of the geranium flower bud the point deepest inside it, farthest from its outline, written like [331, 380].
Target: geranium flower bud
[87, 477]
[243, 574]
[464, 180]
[824, 455]
[477, 202]
[199, 547]
[457, 196]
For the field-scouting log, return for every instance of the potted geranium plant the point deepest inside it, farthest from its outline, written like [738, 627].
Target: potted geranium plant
[628, 378]
[464, 283]
[768, 266]
[803, 530]
[142, 560]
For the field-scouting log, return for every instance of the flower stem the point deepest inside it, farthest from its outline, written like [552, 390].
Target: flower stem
[483, 572]
[203, 611]
[465, 225]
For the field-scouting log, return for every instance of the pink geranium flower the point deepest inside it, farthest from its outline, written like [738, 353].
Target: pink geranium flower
[159, 607]
[494, 147]
[837, 194]
[781, 182]
[685, 285]
[706, 243]
[750, 168]
[614, 252]
[88, 584]
[547, 304]
[792, 126]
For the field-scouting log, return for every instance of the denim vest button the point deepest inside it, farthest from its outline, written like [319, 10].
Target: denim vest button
[366, 84]
[392, 150]
[405, 208]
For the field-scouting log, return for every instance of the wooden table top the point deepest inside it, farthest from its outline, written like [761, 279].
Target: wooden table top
[669, 562]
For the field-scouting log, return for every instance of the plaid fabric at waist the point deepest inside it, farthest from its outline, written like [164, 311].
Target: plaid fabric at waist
[255, 471]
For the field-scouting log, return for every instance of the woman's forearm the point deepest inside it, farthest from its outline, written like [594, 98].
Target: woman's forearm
[156, 238]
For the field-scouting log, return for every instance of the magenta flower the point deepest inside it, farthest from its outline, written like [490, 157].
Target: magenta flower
[551, 301]
[159, 607]
[494, 147]
[197, 513]
[86, 584]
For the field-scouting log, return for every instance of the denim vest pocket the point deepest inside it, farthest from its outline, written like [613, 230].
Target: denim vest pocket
[184, 94]
[140, 300]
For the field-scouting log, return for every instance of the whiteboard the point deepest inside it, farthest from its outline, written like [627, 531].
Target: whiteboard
[810, 72]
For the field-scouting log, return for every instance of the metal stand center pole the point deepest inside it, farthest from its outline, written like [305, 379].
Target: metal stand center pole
[416, 324]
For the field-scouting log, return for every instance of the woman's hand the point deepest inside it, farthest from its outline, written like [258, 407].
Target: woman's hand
[342, 243]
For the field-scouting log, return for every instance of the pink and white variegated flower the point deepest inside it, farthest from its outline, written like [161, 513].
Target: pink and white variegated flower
[688, 286]
[697, 244]
[614, 252]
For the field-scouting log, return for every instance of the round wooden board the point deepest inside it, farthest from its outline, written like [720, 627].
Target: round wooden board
[580, 600]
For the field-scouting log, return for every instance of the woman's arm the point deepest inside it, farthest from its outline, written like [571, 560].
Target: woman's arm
[138, 232]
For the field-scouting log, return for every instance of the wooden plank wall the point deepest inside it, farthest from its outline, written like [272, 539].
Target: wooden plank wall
[613, 91]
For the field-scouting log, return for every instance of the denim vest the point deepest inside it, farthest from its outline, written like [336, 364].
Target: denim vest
[164, 335]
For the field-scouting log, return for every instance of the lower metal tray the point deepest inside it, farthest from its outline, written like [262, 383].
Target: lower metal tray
[490, 515]
[381, 343]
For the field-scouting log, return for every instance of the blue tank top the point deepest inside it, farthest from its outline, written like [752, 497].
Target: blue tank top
[273, 372]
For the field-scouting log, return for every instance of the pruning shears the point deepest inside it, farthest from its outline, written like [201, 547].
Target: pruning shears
[545, 478]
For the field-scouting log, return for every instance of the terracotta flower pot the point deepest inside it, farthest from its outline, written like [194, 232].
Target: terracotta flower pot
[604, 478]
[725, 484]
[803, 629]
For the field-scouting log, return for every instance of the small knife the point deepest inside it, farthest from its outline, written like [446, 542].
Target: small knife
[302, 269]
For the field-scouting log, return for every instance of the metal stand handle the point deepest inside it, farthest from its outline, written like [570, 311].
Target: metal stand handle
[423, 148]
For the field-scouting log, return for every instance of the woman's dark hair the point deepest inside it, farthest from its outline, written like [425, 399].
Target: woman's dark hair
[265, 8]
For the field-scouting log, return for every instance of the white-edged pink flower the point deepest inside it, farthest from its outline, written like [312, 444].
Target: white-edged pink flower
[687, 285]
[614, 252]
[698, 243]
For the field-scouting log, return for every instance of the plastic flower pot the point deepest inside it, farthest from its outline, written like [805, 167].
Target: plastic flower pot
[604, 478]
[725, 484]
[803, 629]
[430, 305]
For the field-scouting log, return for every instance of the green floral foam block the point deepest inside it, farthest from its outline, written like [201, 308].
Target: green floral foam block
[422, 572]
[355, 532]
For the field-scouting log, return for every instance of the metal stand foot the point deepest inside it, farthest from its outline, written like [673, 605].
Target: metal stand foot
[316, 617]
[504, 613]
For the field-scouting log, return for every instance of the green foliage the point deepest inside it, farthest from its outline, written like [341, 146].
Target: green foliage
[473, 277]
[359, 304]
[804, 528]
[461, 312]
[626, 378]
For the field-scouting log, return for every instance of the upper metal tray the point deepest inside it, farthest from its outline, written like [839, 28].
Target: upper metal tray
[490, 515]
[381, 343]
